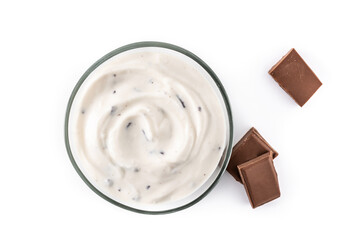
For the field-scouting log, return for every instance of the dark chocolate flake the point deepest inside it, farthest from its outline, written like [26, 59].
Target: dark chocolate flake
[136, 169]
[114, 91]
[83, 111]
[114, 75]
[142, 130]
[199, 108]
[119, 189]
[147, 187]
[128, 125]
[181, 101]
[162, 152]
[113, 110]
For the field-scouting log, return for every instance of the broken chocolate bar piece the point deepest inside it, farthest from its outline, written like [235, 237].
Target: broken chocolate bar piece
[260, 179]
[250, 146]
[295, 77]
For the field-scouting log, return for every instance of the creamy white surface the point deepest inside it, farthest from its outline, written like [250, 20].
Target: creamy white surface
[147, 126]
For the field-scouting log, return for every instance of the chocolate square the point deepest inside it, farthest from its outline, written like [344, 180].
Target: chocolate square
[260, 179]
[295, 77]
[251, 145]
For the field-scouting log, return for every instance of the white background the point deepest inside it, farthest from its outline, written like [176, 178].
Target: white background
[46, 46]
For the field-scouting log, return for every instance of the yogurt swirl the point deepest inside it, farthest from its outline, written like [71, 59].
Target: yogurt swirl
[147, 126]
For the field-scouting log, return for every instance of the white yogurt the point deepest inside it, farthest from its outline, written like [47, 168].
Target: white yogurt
[147, 126]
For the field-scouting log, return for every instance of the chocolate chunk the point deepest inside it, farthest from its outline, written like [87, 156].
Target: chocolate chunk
[295, 77]
[250, 146]
[260, 179]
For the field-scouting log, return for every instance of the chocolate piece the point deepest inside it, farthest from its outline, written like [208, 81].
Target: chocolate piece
[295, 77]
[250, 146]
[260, 179]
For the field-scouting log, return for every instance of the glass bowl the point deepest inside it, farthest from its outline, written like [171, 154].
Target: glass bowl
[210, 183]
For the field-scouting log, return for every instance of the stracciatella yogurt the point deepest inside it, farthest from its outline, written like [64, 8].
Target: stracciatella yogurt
[147, 126]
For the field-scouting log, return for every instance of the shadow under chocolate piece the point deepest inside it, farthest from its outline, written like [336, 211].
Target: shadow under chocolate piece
[251, 145]
[260, 179]
[295, 77]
